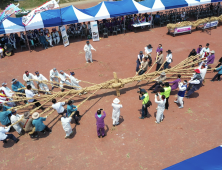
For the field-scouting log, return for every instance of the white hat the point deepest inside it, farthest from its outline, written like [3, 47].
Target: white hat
[212, 52]
[163, 74]
[14, 80]
[116, 101]
[35, 115]
[54, 69]
[4, 83]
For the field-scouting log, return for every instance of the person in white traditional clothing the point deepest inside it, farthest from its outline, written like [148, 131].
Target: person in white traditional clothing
[66, 125]
[59, 107]
[169, 59]
[54, 74]
[204, 51]
[49, 38]
[87, 48]
[18, 126]
[63, 79]
[42, 85]
[148, 51]
[4, 98]
[160, 108]
[203, 70]
[28, 78]
[116, 111]
[181, 93]
[74, 81]
[12, 40]
[4, 136]
[55, 36]
[8, 91]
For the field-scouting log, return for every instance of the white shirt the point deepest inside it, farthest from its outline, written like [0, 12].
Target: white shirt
[202, 52]
[7, 91]
[63, 77]
[169, 58]
[116, 110]
[29, 94]
[2, 132]
[59, 107]
[89, 26]
[88, 48]
[182, 88]
[161, 103]
[148, 50]
[40, 78]
[15, 118]
[31, 76]
[55, 34]
[53, 73]
[66, 123]
[139, 57]
[203, 71]
[74, 81]
[194, 81]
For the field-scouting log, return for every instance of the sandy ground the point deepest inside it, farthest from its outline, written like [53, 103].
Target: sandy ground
[134, 144]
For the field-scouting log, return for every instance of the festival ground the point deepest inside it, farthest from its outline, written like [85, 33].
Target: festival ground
[134, 144]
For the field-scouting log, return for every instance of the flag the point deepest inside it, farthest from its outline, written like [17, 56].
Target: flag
[11, 9]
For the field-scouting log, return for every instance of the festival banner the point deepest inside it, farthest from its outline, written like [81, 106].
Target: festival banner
[94, 30]
[64, 35]
[46, 6]
[182, 29]
[210, 24]
[11, 9]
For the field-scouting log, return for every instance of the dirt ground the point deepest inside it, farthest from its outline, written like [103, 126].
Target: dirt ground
[134, 144]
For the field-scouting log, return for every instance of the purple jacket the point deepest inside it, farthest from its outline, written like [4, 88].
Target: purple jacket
[175, 84]
[159, 49]
[210, 59]
[199, 50]
[100, 121]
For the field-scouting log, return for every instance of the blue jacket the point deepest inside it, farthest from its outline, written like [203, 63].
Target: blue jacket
[5, 108]
[4, 117]
[38, 123]
[219, 69]
[17, 86]
[70, 109]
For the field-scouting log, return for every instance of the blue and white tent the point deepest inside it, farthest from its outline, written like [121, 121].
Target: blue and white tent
[11, 25]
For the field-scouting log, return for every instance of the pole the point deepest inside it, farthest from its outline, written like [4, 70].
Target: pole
[151, 20]
[124, 25]
[27, 40]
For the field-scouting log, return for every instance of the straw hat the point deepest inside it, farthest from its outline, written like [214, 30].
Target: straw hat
[116, 101]
[35, 115]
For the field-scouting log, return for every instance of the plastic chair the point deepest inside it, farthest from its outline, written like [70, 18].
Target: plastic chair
[114, 30]
[105, 32]
[118, 29]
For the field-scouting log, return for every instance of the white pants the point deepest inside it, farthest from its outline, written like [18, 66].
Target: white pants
[50, 41]
[88, 56]
[116, 121]
[68, 132]
[66, 82]
[55, 79]
[43, 86]
[180, 101]
[1, 52]
[31, 84]
[56, 39]
[159, 115]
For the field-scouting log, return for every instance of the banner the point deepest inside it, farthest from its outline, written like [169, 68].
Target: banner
[210, 24]
[64, 35]
[46, 6]
[11, 9]
[182, 29]
[94, 30]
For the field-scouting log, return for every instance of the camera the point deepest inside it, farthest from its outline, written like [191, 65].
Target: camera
[139, 90]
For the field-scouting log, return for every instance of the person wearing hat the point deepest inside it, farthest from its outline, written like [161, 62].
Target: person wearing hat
[145, 99]
[28, 78]
[195, 77]
[100, 122]
[148, 51]
[166, 93]
[116, 111]
[211, 58]
[181, 93]
[72, 108]
[66, 120]
[74, 81]
[55, 36]
[159, 48]
[158, 82]
[4, 136]
[54, 74]
[175, 82]
[160, 108]
[40, 83]
[139, 60]
[18, 126]
[28, 126]
[43, 40]
[63, 79]
[204, 50]
[195, 85]
[16, 85]
[7, 90]
[159, 60]
[38, 123]
[169, 59]
[29, 94]
[217, 76]
[88, 54]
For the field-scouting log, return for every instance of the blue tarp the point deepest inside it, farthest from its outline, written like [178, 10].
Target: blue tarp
[210, 160]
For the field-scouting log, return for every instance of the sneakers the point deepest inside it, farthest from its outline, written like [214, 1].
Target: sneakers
[103, 136]
[141, 117]
[66, 137]
[17, 141]
[180, 107]
[175, 102]
[63, 90]
[156, 122]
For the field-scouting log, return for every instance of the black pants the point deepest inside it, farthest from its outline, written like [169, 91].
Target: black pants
[158, 66]
[65, 111]
[156, 87]
[217, 76]
[10, 136]
[46, 129]
[20, 95]
[76, 116]
[167, 103]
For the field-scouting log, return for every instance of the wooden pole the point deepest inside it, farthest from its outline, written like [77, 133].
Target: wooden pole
[116, 81]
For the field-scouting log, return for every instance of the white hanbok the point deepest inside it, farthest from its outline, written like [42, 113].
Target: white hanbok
[56, 37]
[54, 76]
[160, 108]
[202, 52]
[7, 91]
[28, 80]
[203, 71]
[66, 125]
[42, 85]
[63, 79]
[180, 98]
[17, 127]
[75, 82]
[116, 113]
[87, 49]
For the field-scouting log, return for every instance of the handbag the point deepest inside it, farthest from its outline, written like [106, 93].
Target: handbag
[148, 104]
